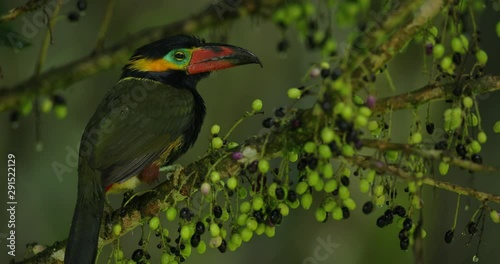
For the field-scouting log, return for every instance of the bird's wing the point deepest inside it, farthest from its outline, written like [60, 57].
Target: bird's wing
[133, 126]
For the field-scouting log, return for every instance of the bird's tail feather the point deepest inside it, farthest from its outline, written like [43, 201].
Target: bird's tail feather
[84, 234]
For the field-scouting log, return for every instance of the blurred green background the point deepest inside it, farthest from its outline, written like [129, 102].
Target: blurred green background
[45, 202]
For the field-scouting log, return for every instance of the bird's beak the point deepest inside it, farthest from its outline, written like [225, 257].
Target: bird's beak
[212, 57]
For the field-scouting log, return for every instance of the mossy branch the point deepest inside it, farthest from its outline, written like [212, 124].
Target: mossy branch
[115, 56]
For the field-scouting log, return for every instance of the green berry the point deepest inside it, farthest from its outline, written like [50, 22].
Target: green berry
[319, 185]
[61, 111]
[236, 239]
[372, 125]
[380, 200]
[443, 168]
[246, 234]
[171, 213]
[164, 259]
[310, 147]
[365, 111]
[347, 113]
[446, 63]
[327, 135]
[217, 142]
[361, 121]
[232, 183]
[347, 150]
[214, 177]
[438, 51]
[214, 229]
[257, 105]
[337, 213]
[271, 190]
[154, 222]
[284, 209]
[327, 170]
[344, 192]
[232, 145]
[330, 186]
[263, 166]
[313, 178]
[364, 185]
[324, 152]
[496, 127]
[495, 217]
[245, 207]
[306, 200]
[392, 155]
[47, 105]
[465, 41]
[358, 100]
[481, 137]
[412, 187]
[186, 232]
[293, 156]
[117, 229]
[215, 129]
[481, 57]
[416, 138]
[251, 223]
[370, 176]
[242, 219]
[378, 190]
[301, 188]
[270, 231]
[329, 204]
[467, 102]
[433, 31]
[294, 93]
[202, 247]
[320, 215]
[260, 229]
[457, 46]
[475, 146]
[257, 203]
[349, 203]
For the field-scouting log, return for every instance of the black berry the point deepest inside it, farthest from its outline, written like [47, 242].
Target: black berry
[368, 207]
[448, 236]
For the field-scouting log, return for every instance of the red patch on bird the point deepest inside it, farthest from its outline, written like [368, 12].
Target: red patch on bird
[150, 174]
[108, 187]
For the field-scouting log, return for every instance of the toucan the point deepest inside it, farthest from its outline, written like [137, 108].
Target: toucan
[148, 119]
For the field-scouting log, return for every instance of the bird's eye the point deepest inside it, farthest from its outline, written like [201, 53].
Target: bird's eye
[179, 55]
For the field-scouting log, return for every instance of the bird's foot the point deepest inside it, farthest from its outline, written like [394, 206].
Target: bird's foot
[172, 170]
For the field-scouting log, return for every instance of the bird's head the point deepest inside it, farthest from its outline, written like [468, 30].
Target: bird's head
[183, 60]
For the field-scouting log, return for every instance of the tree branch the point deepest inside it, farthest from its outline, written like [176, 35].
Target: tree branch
[30, 6]
[381, 167]
[116, 55]
[436, 91]
[428, 154]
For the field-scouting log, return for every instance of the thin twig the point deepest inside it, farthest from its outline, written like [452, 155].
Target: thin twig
[105, 25]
